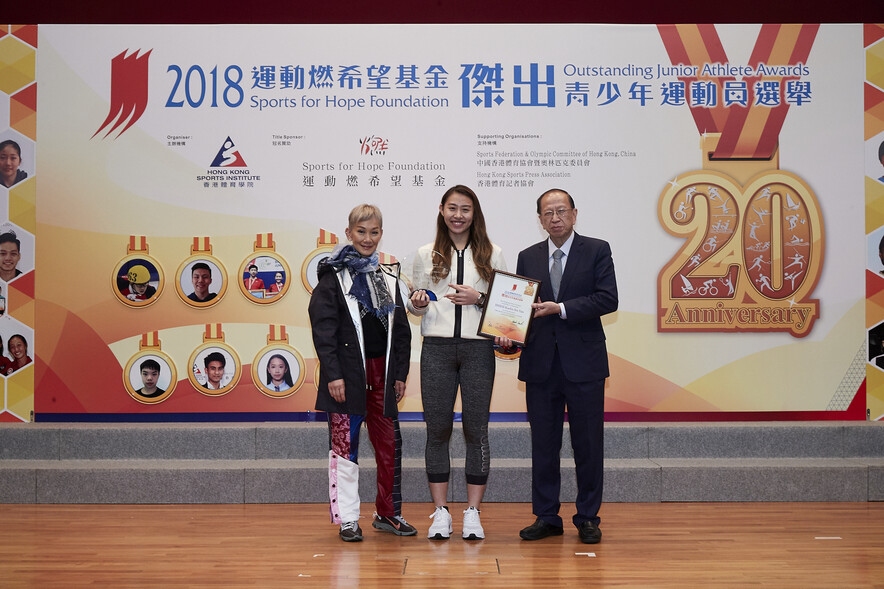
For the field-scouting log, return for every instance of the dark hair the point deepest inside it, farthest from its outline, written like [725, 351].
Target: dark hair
[881, 244]
[150, 363]
[479, 241]
[540, 198]
[214, 357]
[252, 266]
[287, 377]
[21, 337]
[14, 145]
[10, 237]
[198, 266]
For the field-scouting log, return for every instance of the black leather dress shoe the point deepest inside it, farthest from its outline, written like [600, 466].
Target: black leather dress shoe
[539, 530]
[589, 533]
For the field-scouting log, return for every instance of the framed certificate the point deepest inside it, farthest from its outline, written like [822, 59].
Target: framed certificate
[508, 311]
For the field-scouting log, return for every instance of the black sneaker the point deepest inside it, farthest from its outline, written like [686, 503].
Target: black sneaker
[395, 524]
[351, 532]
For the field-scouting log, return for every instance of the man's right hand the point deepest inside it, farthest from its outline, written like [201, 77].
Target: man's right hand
[544, 308]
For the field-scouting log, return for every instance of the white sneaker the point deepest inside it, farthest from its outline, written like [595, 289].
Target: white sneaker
[441, 527]
[472, 527]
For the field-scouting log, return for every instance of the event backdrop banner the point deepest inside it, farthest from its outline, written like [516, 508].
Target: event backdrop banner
[18, 131]
[191, 178]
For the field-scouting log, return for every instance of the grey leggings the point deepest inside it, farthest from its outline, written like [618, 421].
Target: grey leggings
[446, 363]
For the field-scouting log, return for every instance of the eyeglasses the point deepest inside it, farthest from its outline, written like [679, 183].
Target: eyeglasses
[560, 213]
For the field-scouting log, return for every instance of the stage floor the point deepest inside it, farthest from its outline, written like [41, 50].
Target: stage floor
[675, 545]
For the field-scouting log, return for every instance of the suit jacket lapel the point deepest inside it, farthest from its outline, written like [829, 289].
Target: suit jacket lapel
[571, 263]
[543, 258]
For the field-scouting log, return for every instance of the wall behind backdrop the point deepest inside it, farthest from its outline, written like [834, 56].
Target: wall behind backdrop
[447, 11]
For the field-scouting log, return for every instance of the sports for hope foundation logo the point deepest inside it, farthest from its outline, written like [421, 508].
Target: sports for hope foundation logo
[128, 92]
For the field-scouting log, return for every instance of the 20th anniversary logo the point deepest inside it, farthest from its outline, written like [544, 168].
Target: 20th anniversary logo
[754, 236]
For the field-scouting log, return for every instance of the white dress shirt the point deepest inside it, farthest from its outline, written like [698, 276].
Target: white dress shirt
[566, 249]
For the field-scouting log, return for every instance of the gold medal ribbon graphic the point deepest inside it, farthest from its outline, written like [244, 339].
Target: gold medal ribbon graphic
[753, 233]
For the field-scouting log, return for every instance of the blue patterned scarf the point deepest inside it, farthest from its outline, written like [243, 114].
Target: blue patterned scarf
[374, 298]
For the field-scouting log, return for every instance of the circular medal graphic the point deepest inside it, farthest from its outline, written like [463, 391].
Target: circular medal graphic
[138, 280]
[215, 369]
[264, 277]
[309, 277]
[150, 377]
[278, 371]
[202, 281]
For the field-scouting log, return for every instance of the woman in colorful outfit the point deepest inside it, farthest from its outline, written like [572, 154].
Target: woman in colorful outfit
[363, 341]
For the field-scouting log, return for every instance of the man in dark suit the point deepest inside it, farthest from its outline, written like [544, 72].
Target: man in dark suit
[565, 363]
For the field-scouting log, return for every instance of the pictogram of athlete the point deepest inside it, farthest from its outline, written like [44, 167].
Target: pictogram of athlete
[708, 288]
[752, 228]
[764, 281]
[721, 226]
[681, 214]
[791, 204]
[724, 209]
[797, 241]
[756, 263]
[710, 244]
[761, 214]
[797, 259]
[791, 277]
[761, 246]
[686, 287]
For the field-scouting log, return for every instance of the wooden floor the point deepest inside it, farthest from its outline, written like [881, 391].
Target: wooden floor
[644, 545]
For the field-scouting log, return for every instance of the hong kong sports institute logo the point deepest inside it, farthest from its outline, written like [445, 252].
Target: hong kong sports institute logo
[128, 94]
[228, 156]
